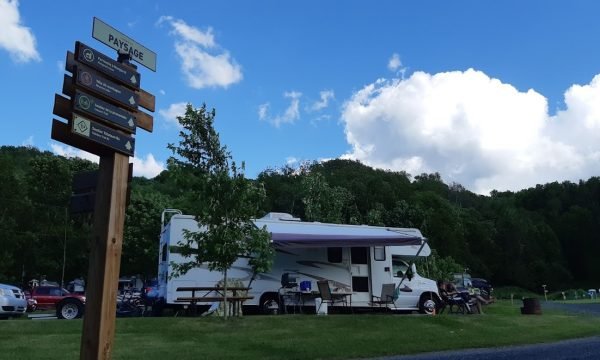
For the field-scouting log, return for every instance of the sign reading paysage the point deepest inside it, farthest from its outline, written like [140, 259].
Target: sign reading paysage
[121, 42]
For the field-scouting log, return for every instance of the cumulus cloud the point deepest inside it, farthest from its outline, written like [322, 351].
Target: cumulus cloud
[147, 167]
[323, 102]
[474, 130]
[172, 112]
[203, 62]
[289, 116]
[16, 38]
[71, 152]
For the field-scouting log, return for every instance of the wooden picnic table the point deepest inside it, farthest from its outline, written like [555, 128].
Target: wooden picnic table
[215, 294]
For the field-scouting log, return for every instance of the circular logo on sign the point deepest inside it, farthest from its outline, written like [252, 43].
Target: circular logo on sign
[84, 102]
[88, 55]
[86, 78]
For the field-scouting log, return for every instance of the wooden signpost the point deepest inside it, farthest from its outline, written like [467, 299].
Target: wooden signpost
[102, 115]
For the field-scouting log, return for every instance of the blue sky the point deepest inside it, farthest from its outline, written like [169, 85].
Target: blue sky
[493, 95]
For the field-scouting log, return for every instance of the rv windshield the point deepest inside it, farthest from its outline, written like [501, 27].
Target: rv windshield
[399, 266]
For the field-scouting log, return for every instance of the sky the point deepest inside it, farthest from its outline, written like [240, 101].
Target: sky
[493, 95]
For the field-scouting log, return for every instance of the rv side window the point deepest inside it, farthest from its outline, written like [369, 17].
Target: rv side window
[334, 255]
[164, 252]
[379, 253]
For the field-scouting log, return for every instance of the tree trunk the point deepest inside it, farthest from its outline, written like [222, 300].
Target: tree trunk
[225, 303]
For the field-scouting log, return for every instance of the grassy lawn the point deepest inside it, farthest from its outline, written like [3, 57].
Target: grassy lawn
[296, 336]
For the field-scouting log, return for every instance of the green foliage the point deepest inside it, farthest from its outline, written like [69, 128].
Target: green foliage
[439, 268]
[222, 200]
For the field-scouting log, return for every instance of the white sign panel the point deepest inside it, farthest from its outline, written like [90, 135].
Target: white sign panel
[121, 42]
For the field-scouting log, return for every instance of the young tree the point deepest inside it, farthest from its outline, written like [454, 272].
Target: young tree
[222, 200]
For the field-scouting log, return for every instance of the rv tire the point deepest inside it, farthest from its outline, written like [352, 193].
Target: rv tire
[269, 304]
[428, 304]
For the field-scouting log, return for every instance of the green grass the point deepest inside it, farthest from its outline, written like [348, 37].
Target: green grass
[297, 336]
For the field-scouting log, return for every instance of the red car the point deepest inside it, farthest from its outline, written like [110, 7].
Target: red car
[68, 305]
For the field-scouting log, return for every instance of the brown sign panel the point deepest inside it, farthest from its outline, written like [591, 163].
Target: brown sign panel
[94, 82]
[98, 61]
[102, 135]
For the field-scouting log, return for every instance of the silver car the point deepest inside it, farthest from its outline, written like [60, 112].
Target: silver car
[12, 301]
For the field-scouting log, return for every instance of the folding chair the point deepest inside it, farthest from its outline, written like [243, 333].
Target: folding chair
[387, 296]
[327, 296]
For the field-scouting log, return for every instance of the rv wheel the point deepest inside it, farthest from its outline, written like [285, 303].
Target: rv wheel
[427, 305]
[269, 304]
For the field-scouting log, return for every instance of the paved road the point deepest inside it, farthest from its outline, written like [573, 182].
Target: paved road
[581, 349]
[586, 348]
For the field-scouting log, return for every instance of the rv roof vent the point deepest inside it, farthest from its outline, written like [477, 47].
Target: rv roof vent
[280, 216]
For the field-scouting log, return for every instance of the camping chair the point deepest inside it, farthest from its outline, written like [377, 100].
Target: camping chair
[387, 296]
[327, 296]
[455, 303]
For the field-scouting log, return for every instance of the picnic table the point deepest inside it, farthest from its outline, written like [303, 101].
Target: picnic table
[211, 294]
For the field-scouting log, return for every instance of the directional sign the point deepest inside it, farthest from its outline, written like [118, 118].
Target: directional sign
[121, 42]
[108, 66]
[102, 135]
[113, 115]
[100, 85]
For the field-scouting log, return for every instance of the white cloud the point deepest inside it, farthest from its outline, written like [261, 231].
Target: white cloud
[291, 161]
[290, 115]
[71, 152]
[201, 67]
[60, 65]
[174, 110]
[147, 167]
[17, 39]
[28, 141]
[263, 111]
[162, 92]
[325, 96]
[474, 130]
[395, 65]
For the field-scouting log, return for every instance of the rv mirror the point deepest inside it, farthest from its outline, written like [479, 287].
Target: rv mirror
[409, 274]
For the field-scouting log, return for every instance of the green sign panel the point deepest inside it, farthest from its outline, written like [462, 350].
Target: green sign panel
[122, 43]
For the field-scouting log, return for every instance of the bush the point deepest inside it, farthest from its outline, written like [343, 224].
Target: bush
[517, 292]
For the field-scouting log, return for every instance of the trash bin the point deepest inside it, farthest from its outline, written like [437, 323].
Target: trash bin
[531, 306]
[320, 307]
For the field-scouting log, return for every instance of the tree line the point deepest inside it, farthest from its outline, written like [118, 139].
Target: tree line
[547, 234]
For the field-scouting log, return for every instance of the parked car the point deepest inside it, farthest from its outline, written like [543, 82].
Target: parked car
[484, 286]
[12, 301]
[68, 305]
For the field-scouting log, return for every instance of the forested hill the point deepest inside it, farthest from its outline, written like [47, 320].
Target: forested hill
[544, 235]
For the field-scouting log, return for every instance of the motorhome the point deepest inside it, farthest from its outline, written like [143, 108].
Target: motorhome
[354, 258]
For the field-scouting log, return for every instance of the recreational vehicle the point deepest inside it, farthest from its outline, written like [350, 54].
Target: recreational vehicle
[356, 259]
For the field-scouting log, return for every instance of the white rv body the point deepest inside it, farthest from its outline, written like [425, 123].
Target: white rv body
[358, 269]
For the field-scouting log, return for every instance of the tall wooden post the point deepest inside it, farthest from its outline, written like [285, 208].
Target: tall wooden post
[105, 258]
